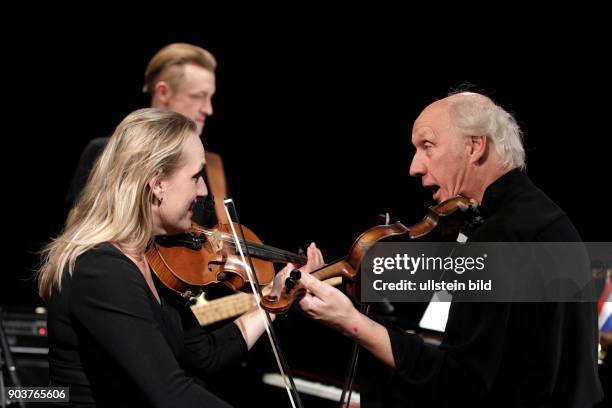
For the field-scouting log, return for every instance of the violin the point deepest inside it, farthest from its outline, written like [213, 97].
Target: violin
[188, 262]
[441, 220]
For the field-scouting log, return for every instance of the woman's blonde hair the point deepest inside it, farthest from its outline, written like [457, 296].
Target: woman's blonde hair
[115, 205]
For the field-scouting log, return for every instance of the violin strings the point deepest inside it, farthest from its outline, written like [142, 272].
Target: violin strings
[225, 238]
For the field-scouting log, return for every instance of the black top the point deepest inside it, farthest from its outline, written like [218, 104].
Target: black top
[203, 211]
[501, 354]
[113, 344]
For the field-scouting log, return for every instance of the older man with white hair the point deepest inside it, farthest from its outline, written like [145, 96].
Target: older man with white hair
[494, 354]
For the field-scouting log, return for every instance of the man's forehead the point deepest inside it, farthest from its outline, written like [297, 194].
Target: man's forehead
[434, 113]
[198, 77]
[195, 71]
[433, 119]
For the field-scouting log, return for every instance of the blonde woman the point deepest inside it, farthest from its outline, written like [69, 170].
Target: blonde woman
[117, 336]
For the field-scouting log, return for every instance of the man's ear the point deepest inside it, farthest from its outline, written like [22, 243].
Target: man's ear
[478, 146]
[163, 92]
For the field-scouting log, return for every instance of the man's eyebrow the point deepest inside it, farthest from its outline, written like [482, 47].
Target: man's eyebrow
[426, 133]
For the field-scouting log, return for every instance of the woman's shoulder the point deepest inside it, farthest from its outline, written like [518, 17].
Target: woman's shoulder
[103, 258]
[101, 252]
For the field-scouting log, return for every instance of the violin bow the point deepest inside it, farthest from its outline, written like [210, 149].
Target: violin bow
[351, 372]
[283, 367]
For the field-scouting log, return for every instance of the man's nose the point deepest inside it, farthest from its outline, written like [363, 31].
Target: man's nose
[417, 168]
[207, 108]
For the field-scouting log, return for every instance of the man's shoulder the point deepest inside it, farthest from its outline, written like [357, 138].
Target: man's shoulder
[91, 152]
[97, 143]
[529, 216]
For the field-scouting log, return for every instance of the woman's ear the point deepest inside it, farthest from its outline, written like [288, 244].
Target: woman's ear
[157, 188]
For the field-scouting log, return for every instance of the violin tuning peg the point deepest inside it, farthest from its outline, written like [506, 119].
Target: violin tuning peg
[383, 219]
[295, 275]
[289, 284]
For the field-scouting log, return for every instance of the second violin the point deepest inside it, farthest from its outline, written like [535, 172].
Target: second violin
[438, 221]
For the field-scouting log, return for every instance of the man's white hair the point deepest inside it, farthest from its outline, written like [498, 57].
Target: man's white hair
[473, 114]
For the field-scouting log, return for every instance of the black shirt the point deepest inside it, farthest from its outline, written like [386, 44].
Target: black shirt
[501, 354]
[113, 344]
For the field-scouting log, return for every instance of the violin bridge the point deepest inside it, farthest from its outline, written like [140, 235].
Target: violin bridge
[216, 241]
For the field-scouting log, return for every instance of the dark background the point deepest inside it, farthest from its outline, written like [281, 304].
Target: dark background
[313, 122]
[314, 131]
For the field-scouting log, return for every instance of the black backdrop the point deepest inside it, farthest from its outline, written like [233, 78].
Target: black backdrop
[314, 129]
[312, 117]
